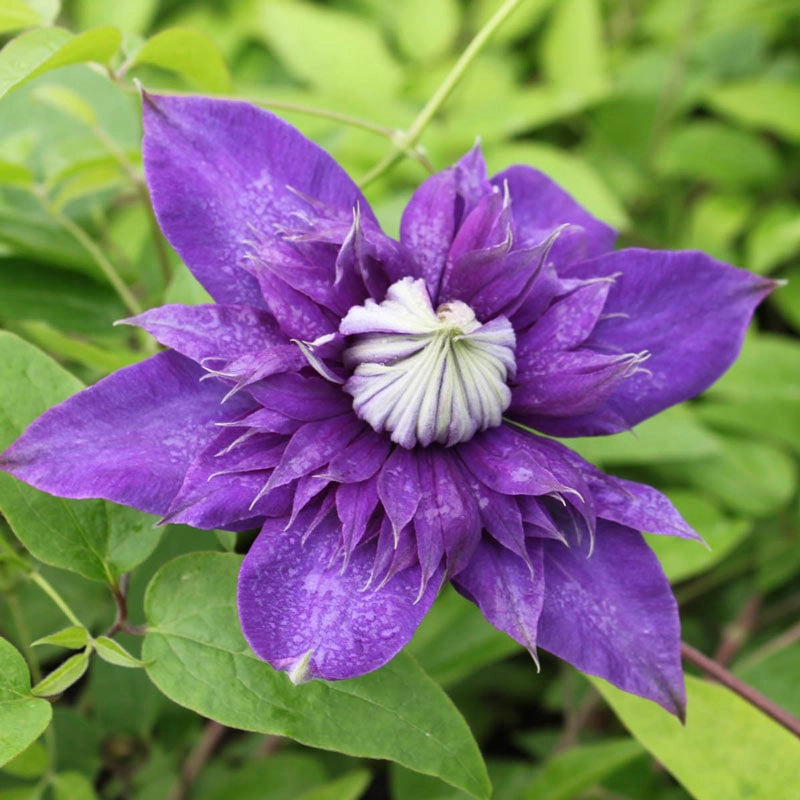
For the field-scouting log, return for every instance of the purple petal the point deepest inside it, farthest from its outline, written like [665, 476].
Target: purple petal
[129, 439]
[219, 173]
[300, 397]
[435, 212]
[613, 615]
[507, 589]
[637, 506]
[302, 615]
[361, 459]
[687, 309]
[207, 331]
[399, 488]
[539, 206]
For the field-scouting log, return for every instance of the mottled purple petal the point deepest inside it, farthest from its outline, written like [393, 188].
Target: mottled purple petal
[637, 506]
[687, 309]
[301, 397]
[302, 615]
[399, 487]
[507, 589]
[435, 212]
[613, 615]
[211, 331]
[129, 438]
[361, 459]
[539, 206]
[219, 173]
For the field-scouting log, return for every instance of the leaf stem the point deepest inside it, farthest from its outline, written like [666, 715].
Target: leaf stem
[48, 589]
[83, 238]
[746, 692]
[410, 138]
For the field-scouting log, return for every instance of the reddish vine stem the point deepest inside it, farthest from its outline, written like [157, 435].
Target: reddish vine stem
[748, 693]
[737, 633]
[212, 736]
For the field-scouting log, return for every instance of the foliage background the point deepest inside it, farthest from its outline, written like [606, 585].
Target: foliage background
[676, 120]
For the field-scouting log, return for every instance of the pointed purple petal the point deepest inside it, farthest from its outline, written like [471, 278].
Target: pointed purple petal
[219, 173]
[207, 331]
[500, 583]
[613, 615]
[129, 439]
[539, 206]
[637, 506]
[687, 309]
[435, 212]
[300, 614]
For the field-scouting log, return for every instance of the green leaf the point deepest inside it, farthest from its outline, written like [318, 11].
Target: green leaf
[761, 104]
[30, 763]
[131, 17]
[67, 101]
[721, 155]
[566, 775]
[349, 786]
[573, 48]
[73, 638]
[44, 49]
[774, 238]
[191, 54]
[198, 657]
[426, 29]
[16, 14]
[332, 50]
[775, 674]
[23, 717]
[673, 435]
[115, 653]
[727, 748]
[682, 559]
[94, 538]
[73, 786]
[63, 676]
[454, 640]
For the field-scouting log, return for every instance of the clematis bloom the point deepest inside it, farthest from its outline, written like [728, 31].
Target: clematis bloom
[368, 403]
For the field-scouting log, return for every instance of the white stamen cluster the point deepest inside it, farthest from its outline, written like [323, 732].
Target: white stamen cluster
[427, 375]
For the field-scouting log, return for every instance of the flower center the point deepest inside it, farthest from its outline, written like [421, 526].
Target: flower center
[427, 375]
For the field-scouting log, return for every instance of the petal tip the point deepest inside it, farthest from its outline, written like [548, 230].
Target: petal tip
[301, 672]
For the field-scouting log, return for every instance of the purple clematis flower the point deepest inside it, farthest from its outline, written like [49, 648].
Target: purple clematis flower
[367, 402]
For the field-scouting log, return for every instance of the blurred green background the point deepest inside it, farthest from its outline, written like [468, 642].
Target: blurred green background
[677, 121]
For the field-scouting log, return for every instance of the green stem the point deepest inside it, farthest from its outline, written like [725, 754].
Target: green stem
[24, 634]
[83, 238]
[45, 586]
[408, 140]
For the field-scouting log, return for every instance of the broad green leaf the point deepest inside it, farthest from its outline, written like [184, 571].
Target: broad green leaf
[12, 174]
[115, 653]
[673, 435]
[748, 476]
[283, 776]
[426, 29]
[130, 17]
[184, 288]
[332, 50]
[92, 537]
[716, 220]
[16, 14]
[70, 302]
[73, 638]
[67, 101]
[519, 24]
[63, 676]
[775, 674]
[23, 717]
[761, 104]
[573, 48]
[728, 749]
[682, 559]
[349, 786]
[192, 54]
[44, 49]
[73, 786]
[722, 155]
[774, 238]
[567, 774]
[196, 655]
[576, 175]
[454, 640]
[30, 763]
